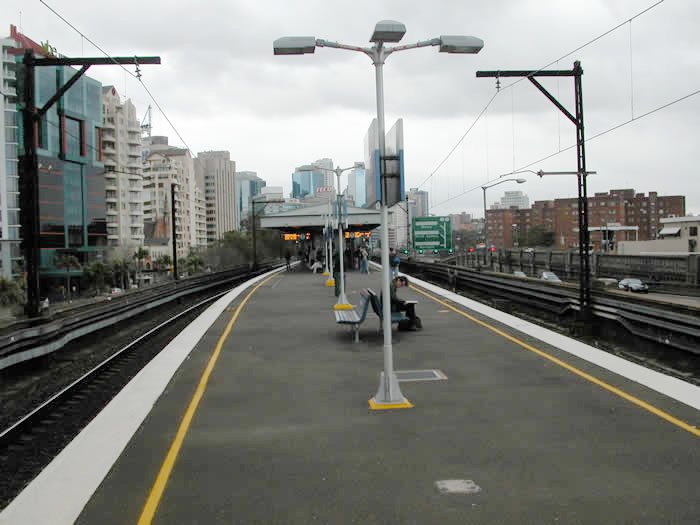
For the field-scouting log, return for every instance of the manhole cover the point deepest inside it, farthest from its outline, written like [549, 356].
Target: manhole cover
[420, 375]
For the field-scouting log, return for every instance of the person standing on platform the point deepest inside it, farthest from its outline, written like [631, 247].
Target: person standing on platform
[288, 258]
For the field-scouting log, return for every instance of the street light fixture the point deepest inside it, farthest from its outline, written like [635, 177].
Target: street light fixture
[486, 230]
[386, 31]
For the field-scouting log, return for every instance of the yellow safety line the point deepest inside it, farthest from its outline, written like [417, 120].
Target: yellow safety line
[646, 406]
[166, 468]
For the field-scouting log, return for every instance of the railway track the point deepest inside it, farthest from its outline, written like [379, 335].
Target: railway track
[38, 422]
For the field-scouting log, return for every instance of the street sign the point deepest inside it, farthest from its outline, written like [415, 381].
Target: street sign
[432, 233]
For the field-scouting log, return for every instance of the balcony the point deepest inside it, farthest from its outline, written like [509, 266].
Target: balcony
[111, 187]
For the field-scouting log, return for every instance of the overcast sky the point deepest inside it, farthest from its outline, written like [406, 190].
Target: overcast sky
[221, 86]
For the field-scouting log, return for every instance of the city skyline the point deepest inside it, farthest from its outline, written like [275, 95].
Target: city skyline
[320, 106]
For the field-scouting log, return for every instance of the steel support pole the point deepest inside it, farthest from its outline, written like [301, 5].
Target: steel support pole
[584, 235]
[29, 190]
[486, 229]
[388, 394]
[343, 303]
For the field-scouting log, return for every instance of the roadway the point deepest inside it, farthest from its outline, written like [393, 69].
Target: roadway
[258, 413]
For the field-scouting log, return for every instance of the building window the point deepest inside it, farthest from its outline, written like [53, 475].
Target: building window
[98, 144]
[693, 231]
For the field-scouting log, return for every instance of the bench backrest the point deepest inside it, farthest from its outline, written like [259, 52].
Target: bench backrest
[364, 306]
[376, 305]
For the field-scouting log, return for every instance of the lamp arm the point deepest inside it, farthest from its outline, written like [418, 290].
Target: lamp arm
[422, 43]
[337, 45]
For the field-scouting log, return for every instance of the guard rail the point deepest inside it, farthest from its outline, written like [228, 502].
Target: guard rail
[27, 342]
[673, 325]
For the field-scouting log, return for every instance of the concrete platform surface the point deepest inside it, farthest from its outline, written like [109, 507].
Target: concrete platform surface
[521, 431]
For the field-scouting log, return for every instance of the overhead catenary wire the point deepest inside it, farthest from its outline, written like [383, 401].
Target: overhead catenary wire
[500, 89]
[137, 75]
[593, 137]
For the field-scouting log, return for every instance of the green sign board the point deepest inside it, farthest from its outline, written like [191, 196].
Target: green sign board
[432, 233]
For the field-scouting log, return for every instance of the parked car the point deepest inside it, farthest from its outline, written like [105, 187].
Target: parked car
[633, 285]
[116, 291]
[518, 273]
[550, 276]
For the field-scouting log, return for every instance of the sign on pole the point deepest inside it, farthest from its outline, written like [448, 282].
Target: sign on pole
[432, 233]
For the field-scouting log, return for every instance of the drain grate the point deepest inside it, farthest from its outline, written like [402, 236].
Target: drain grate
[420, 375]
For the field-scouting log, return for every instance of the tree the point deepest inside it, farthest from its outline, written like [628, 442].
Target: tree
[139, 256]
[11, 292]
[163, 262]
[68, 262]
[97, 274]
[193, 263]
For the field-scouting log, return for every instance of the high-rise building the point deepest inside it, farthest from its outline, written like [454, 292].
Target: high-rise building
[512, 199]
[215, 171]
[121, 151]
[248, 185]
[356, 184]
[71, 179]
[393, 146]
[307, 179]
[167, 165]
[419, 208]
[10, 256]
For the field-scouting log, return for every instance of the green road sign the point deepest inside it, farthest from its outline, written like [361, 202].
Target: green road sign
[432, 233]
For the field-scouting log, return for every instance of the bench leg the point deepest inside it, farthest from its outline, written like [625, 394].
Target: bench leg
[356, 330]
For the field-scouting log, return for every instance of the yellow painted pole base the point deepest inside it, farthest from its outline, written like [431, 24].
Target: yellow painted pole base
[326, 273]
[342, 306]
[330, 282]
[373, 405]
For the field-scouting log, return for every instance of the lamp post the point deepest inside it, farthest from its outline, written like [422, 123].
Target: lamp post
[343, 303]
[386, 31]
[486, 228]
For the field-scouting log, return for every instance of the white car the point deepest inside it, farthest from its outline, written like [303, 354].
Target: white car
[116, 291]
[550, 276]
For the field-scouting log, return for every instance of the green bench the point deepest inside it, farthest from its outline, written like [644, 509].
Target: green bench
[396, 317]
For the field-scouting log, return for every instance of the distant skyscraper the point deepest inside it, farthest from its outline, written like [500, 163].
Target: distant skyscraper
[512, 199]
[356, 184]
[420, 198]
[215, 173]
[393, 147]
[248, 185]
[307, 179]
[121, 150]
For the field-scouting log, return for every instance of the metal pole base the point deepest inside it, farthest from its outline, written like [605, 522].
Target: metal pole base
[330, 282]
[389, 395]
[343, 303]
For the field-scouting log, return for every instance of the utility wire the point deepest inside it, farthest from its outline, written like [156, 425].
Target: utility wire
[137, 77]
[537, 71]
[597, 135]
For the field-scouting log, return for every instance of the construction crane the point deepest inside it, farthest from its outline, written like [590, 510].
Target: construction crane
[146, 122]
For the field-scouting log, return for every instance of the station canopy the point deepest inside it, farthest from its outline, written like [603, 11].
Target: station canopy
[312, 219]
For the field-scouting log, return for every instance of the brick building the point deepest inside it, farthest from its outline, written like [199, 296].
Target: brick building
[622, 207]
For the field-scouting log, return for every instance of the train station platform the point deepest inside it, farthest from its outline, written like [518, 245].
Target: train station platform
[258, 413]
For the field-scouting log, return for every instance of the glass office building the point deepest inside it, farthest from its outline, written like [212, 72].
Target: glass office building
[71, 173]
[305, 181]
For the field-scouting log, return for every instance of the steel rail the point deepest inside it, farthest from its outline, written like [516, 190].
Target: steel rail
[28, 343]
[676, 326]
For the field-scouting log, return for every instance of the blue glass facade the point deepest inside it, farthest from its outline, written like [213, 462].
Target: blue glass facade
[305, 182]
[71, 178]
